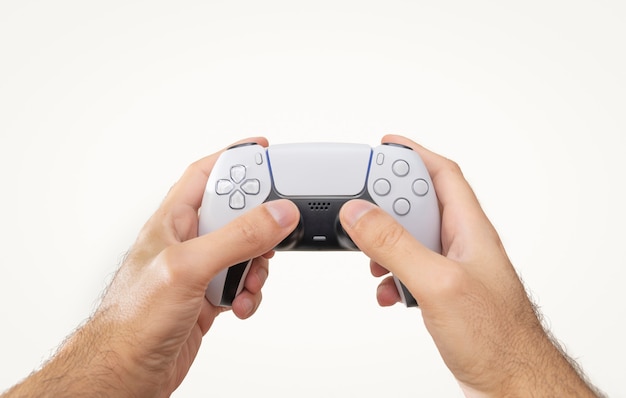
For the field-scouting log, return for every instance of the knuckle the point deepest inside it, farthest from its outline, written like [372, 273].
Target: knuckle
[257, 275]
[453, 167]
[172, 265]
[389, 236]
[250, 231]
[451, 284]
[195, 167]
[259, 229]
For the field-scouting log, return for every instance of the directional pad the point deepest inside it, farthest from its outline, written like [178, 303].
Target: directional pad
[237, 186]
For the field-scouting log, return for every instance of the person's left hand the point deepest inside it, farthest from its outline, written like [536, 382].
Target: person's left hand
[151, 321]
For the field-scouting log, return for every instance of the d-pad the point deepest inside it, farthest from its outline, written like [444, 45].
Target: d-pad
[237, 186]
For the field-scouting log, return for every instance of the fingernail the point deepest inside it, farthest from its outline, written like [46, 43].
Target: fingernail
[282, 211]
[354, 210]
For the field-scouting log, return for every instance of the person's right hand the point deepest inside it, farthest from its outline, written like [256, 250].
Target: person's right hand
[472, 300]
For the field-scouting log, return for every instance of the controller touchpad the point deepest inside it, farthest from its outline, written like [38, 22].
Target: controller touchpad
[319, 169]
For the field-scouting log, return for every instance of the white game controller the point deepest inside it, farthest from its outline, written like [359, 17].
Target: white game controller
[319, 178]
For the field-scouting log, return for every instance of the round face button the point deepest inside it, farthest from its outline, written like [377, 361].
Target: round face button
[400, 168]
[420, 187]
[382, 187]
[401, 207]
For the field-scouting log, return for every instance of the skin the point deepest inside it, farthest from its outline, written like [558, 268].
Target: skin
[472, 300]
[147, 331]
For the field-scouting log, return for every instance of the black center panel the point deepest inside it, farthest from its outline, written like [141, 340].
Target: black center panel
[319, 227]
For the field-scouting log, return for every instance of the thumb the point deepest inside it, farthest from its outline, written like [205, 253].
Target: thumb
[386, 242]
[248, 236]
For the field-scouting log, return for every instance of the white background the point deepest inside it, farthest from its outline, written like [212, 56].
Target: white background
[103, 105]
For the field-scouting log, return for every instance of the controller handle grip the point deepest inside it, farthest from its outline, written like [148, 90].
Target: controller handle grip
[223, 289]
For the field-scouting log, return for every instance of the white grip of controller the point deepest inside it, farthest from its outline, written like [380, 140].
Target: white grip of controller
[399, 183]
[240, 180]
[216, 293]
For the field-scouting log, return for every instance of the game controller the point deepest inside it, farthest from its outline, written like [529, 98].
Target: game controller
[319, 178]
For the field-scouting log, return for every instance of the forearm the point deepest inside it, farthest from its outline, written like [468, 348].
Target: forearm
[537, 367]
[86, 365]
[554, 373]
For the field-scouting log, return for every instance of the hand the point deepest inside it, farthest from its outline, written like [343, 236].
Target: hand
[144, 336]
[473, 303]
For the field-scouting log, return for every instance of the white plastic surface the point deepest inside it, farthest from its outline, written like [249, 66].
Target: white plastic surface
[237, 165]
[216, 210]
[319, 169]
[322, 170]
[422, 219]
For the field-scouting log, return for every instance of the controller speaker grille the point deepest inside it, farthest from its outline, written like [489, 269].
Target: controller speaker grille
[319, 206]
